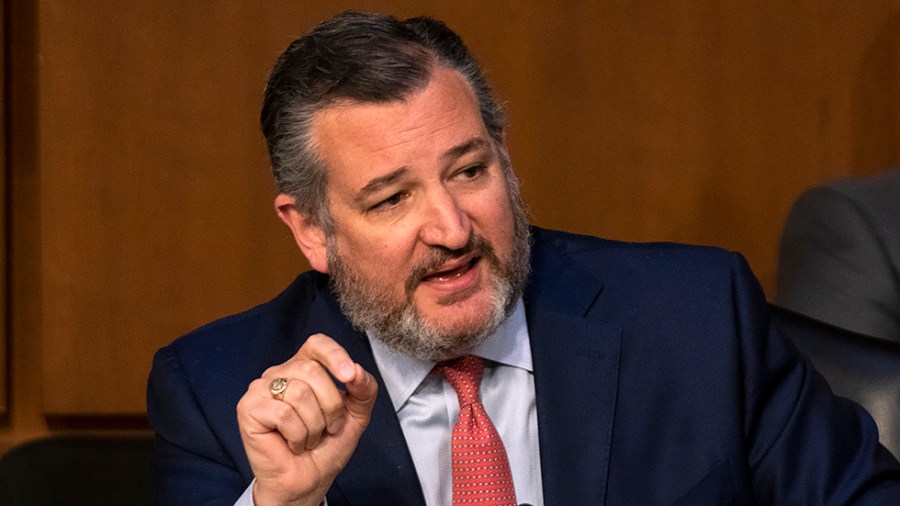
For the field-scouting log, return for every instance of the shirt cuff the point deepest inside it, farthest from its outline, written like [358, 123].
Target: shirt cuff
[246, 499]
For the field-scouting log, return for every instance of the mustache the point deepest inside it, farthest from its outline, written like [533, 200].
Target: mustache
[437, 256]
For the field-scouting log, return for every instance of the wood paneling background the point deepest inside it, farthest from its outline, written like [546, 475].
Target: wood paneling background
[4, 385]
[139, 188]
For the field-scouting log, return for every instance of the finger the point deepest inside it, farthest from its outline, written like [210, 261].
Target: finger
[289, 424]
[361, 394]
[302, 398]
[330, 354]
[313, 394]
[320, 407]
[261, 416]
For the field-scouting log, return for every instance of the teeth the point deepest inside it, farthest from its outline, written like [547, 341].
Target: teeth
[454, 274]
[448, 275]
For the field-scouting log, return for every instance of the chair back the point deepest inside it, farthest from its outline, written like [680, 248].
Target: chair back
[861, 368]
[77, 470]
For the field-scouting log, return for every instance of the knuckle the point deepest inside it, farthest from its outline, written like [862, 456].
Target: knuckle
[297, 446]
[315, 340]
[333, 409]
[284, 414]
[315, 425]
[304, 367]
[297, 443]
[302, 390]
[246, 401]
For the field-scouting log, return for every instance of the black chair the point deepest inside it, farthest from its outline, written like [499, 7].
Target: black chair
[77, 470]
[861, 368]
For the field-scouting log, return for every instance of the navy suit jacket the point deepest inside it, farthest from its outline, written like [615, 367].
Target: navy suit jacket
[658, 379]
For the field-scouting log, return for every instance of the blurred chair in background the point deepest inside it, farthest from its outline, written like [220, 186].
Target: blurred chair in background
[839, 259]
[859, 367]
[76, 470]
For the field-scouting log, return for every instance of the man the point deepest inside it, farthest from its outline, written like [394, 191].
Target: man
[609, 372]
[839, 258]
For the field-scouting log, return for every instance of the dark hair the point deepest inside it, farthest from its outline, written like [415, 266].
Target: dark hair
[360, 57]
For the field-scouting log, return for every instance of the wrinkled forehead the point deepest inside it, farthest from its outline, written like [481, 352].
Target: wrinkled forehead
[414, 129]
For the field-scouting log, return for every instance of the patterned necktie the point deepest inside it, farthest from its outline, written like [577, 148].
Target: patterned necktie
[481, 472]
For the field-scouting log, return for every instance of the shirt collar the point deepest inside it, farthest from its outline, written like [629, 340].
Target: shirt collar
[402, 374]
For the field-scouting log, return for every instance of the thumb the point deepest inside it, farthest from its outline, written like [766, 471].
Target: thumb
[361, 394]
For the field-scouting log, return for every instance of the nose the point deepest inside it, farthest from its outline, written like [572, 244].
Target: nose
[444, 222]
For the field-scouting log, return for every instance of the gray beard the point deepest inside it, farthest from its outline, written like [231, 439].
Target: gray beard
[400, 326]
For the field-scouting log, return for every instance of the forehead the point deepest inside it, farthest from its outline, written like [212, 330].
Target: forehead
[364, 139]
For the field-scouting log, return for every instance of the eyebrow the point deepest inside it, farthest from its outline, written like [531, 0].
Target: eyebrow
[473, 144]
[379, 182]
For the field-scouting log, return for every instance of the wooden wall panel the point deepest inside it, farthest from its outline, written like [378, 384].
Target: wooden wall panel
[691, 121]
[22, 288]
[4, 367]
[155, 189]
[698, 121]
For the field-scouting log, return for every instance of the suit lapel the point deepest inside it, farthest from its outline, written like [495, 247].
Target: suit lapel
[381, 470]
[576, 366]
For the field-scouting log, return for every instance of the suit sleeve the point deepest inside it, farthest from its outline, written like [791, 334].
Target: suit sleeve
[190, 465]
[805, 445]
[833, 266]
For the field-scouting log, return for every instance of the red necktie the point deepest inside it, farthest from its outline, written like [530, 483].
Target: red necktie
[480, 468]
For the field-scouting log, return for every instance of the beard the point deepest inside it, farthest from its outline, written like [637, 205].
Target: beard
[397, 322]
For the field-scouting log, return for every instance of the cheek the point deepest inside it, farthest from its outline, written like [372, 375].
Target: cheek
[382, 258]
[504, 237]
[496, 217]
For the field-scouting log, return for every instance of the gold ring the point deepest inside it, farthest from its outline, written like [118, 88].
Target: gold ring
[277, 387]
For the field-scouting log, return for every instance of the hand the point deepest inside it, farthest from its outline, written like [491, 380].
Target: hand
[298, 445]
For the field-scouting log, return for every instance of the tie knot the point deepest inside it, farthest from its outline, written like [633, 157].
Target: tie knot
[464, 375]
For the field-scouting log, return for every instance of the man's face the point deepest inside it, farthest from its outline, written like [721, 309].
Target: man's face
[429, 250]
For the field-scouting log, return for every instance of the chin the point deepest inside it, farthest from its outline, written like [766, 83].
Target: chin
[462, 321]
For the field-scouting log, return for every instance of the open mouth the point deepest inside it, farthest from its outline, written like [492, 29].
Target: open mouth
[453, 272]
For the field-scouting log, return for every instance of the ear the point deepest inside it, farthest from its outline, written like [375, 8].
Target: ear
[309, 236]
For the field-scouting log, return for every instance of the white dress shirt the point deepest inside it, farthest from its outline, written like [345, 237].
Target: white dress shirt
[427, 408]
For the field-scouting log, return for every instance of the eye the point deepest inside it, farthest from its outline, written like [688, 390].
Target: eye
[471, 172]
[389, 202]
